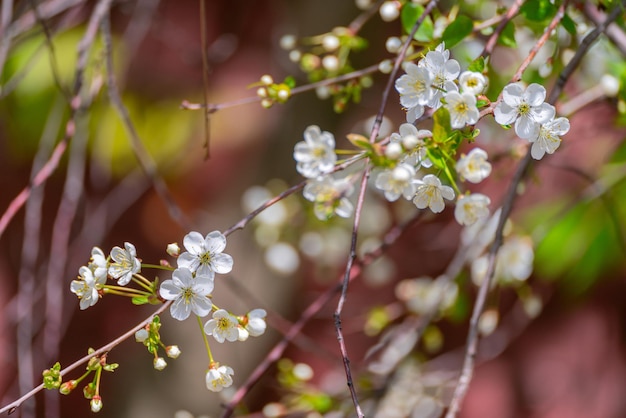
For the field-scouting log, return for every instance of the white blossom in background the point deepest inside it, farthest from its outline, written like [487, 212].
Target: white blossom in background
[549, 137]
[415, 88]
[330, 196]
[204, 255]
[472, 82]
[397, 181]
[316, 154]
[462, 108]
[430, 193]
[525, 107]
[515, 259]
[444, 71]
[223, 326]
[470, 209]
[514, 262]
[425, 296]
[125, 263]
[219, 377]
[86, 287]
[189, 293]
[413, 144]
[99, 264]
[474, 166]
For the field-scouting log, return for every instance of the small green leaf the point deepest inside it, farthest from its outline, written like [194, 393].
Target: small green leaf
[456, 31]
[538, 10]
[410, 14]
[478, 65]
[441, 125]
[140, 300]
[481, 103]
[290, 81]
[569, 24]
[507, 37]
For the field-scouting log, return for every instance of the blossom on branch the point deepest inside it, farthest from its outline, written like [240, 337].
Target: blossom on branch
[430, 193]
[125, 263]
[413, 144]
[223, 326]
[474, 166]
[549, 137]
[86, 287]
[470, 209]
[525, 107]
[462, 108]
[204, 254]
[472, 82]
[396, 182]
[316, 154]
[330, 197]
[189, 293]
[219, 377]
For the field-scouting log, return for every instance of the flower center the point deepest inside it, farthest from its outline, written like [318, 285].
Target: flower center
[223, 324]
[205, 258]
[461, 107]
[523, 109]
[187, 294]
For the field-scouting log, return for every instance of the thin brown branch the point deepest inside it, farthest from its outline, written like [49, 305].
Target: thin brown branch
[205, 77]
[275, 354]
[472, 339]
[144, 159]
[510, 14]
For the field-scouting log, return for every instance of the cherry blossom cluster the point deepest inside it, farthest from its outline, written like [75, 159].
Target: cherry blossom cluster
[189, 290]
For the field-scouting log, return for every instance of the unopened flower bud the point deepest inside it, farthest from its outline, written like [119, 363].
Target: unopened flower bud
[409, 142]
[330, 43]
[173, 249]
[389, 11]
[172, 351]
[287, 42]
[159, 363]
[488, 321]
[393, 44]
[610, 85]
[261, 92]
[393, 151]
[141, 335]
[283, 94]
[267, 103]
[385, 66]
[267, 79]
[330, 62]
[295, 55]
[96, 403]
[67, 387]
[322, 92]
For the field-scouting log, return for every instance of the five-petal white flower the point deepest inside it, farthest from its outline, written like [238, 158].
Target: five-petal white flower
[99, 263]
[415, 88]
[549, 137]
[189, 293]
[396, 182]
[412, 141]
[330, 196]
[430, 193]
[125, 263]
[462, 108]
[474, 166]
[444, 71]
[86, 287]
[472, 82]
[204, 254]
[316, 154]
[470, 209]
[525, 107]
[223, 326]
[219, 377]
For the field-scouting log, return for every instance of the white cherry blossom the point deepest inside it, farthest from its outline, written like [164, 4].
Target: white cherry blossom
[223, 326]
[125, 263]
[204, 254]
[472, 82]
[462, 108]
[474, 166]
[413, 144]
[99, 264]
[86, 287]
[330, 196]
[396, 182]
[189, 293]
[444, 71]
[549, 137]
[470, 209]
[316, 154]
[415, 88]
[430, 193]
[219, 377]
[525, 107]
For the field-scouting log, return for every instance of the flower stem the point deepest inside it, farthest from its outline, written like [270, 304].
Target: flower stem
[206, 340]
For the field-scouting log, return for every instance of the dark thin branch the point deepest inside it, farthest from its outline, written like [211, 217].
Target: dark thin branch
[510, 14]
[144, 159]
[205, 78]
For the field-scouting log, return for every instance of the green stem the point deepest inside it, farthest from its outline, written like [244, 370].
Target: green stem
[124, 291]
[206, 340]
[157, 266]
[143, 282]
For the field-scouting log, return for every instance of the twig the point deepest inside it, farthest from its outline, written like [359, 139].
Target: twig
[510, 14]
[355, 26]
[274, 355]
[359, 206]
[472, 339]
[10, 408]
[205, 78]
[144, 159]
[75, 104]
[614, 32]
